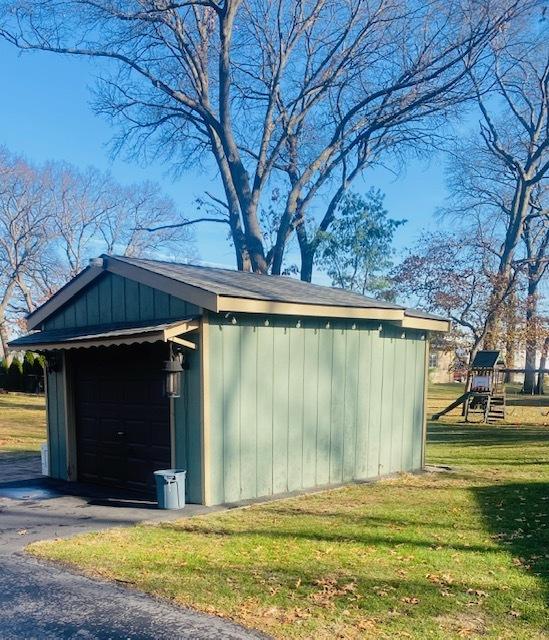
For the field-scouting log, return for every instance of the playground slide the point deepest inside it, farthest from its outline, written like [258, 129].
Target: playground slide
[454, 404]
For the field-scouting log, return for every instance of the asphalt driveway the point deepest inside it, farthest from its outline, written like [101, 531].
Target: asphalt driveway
[43, 601]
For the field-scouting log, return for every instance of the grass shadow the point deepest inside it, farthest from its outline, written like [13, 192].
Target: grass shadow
[468, 434]
[10, 454]
[517, 516]
[528, 401]
[21, 402]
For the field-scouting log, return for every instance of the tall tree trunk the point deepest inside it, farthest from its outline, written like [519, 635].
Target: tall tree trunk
[542, 366]
[537, 267]
[307, 250]
[502, 282]
[493, 330]
[511, 321]
[4, 338]
[529, 385]
[4, 302]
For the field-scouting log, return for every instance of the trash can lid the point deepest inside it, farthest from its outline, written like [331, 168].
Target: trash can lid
[169, 472]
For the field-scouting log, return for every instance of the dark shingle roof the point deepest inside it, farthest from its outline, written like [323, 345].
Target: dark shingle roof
[218, 290]
[239, 284]
[486, 359]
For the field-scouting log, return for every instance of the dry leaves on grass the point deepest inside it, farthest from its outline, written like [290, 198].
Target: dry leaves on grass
[330, 589]
[463, 625]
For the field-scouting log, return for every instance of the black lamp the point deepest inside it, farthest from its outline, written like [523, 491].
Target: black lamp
[53, 361]
[172, 372]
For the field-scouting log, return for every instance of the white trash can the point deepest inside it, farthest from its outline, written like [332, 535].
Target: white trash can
[45, 459]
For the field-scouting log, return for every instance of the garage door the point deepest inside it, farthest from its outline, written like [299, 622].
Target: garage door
[122, 417]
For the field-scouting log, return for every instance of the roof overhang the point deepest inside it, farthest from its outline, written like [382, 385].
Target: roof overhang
[400, 316]
[247, 305]
[426, 324]
[86, 337]
[219, 303]
[194, 295]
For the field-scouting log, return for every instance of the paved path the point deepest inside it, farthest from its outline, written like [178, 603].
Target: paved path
[42, 601]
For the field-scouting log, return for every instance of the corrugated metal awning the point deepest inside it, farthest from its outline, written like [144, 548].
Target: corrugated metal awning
[107, 335]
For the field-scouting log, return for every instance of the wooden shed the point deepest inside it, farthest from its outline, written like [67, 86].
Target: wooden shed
[285, 385]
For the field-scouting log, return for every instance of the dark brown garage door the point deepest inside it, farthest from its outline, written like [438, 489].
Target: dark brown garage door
[122, 417]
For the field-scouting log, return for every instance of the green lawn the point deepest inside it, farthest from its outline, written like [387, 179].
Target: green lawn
[22, 422]
[442, 555]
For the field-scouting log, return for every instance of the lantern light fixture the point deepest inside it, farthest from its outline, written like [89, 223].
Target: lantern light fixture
[172, 375]
[53, 362]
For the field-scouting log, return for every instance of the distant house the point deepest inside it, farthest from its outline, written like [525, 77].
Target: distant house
[285, 385]
[447, 363]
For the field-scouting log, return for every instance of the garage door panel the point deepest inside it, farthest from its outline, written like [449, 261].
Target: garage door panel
[88, 465]
[111, 431]
[139, 432]
[122, 420]
[86, 392]
[108, 391]
[87, 428]
[137, 472]
[112, 472]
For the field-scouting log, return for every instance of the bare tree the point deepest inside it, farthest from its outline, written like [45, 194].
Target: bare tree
[516, 141]
[300, 95]
[24, 219]
[135, 208]
[536, 262]
[93, 213]
[452, 274]
[54, 218]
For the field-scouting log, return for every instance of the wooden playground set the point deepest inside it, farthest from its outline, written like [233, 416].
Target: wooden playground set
[485, 389]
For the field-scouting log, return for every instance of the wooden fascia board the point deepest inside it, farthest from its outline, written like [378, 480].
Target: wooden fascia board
[63, 296]
[427, 324]
[248, 305]
[184, 343]
[187, 292]
[183, 327]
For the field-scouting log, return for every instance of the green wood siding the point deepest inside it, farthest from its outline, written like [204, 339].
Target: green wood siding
[296, 407]
[112, 298]
[188, 438]
[57, 431]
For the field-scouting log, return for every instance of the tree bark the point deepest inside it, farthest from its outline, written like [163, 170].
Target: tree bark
[510, 334]
[529, 385]
[542, 365]
[519, 210]
[4, 338]
[307, 250]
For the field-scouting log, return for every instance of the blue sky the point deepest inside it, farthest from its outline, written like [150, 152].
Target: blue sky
[46, 115]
